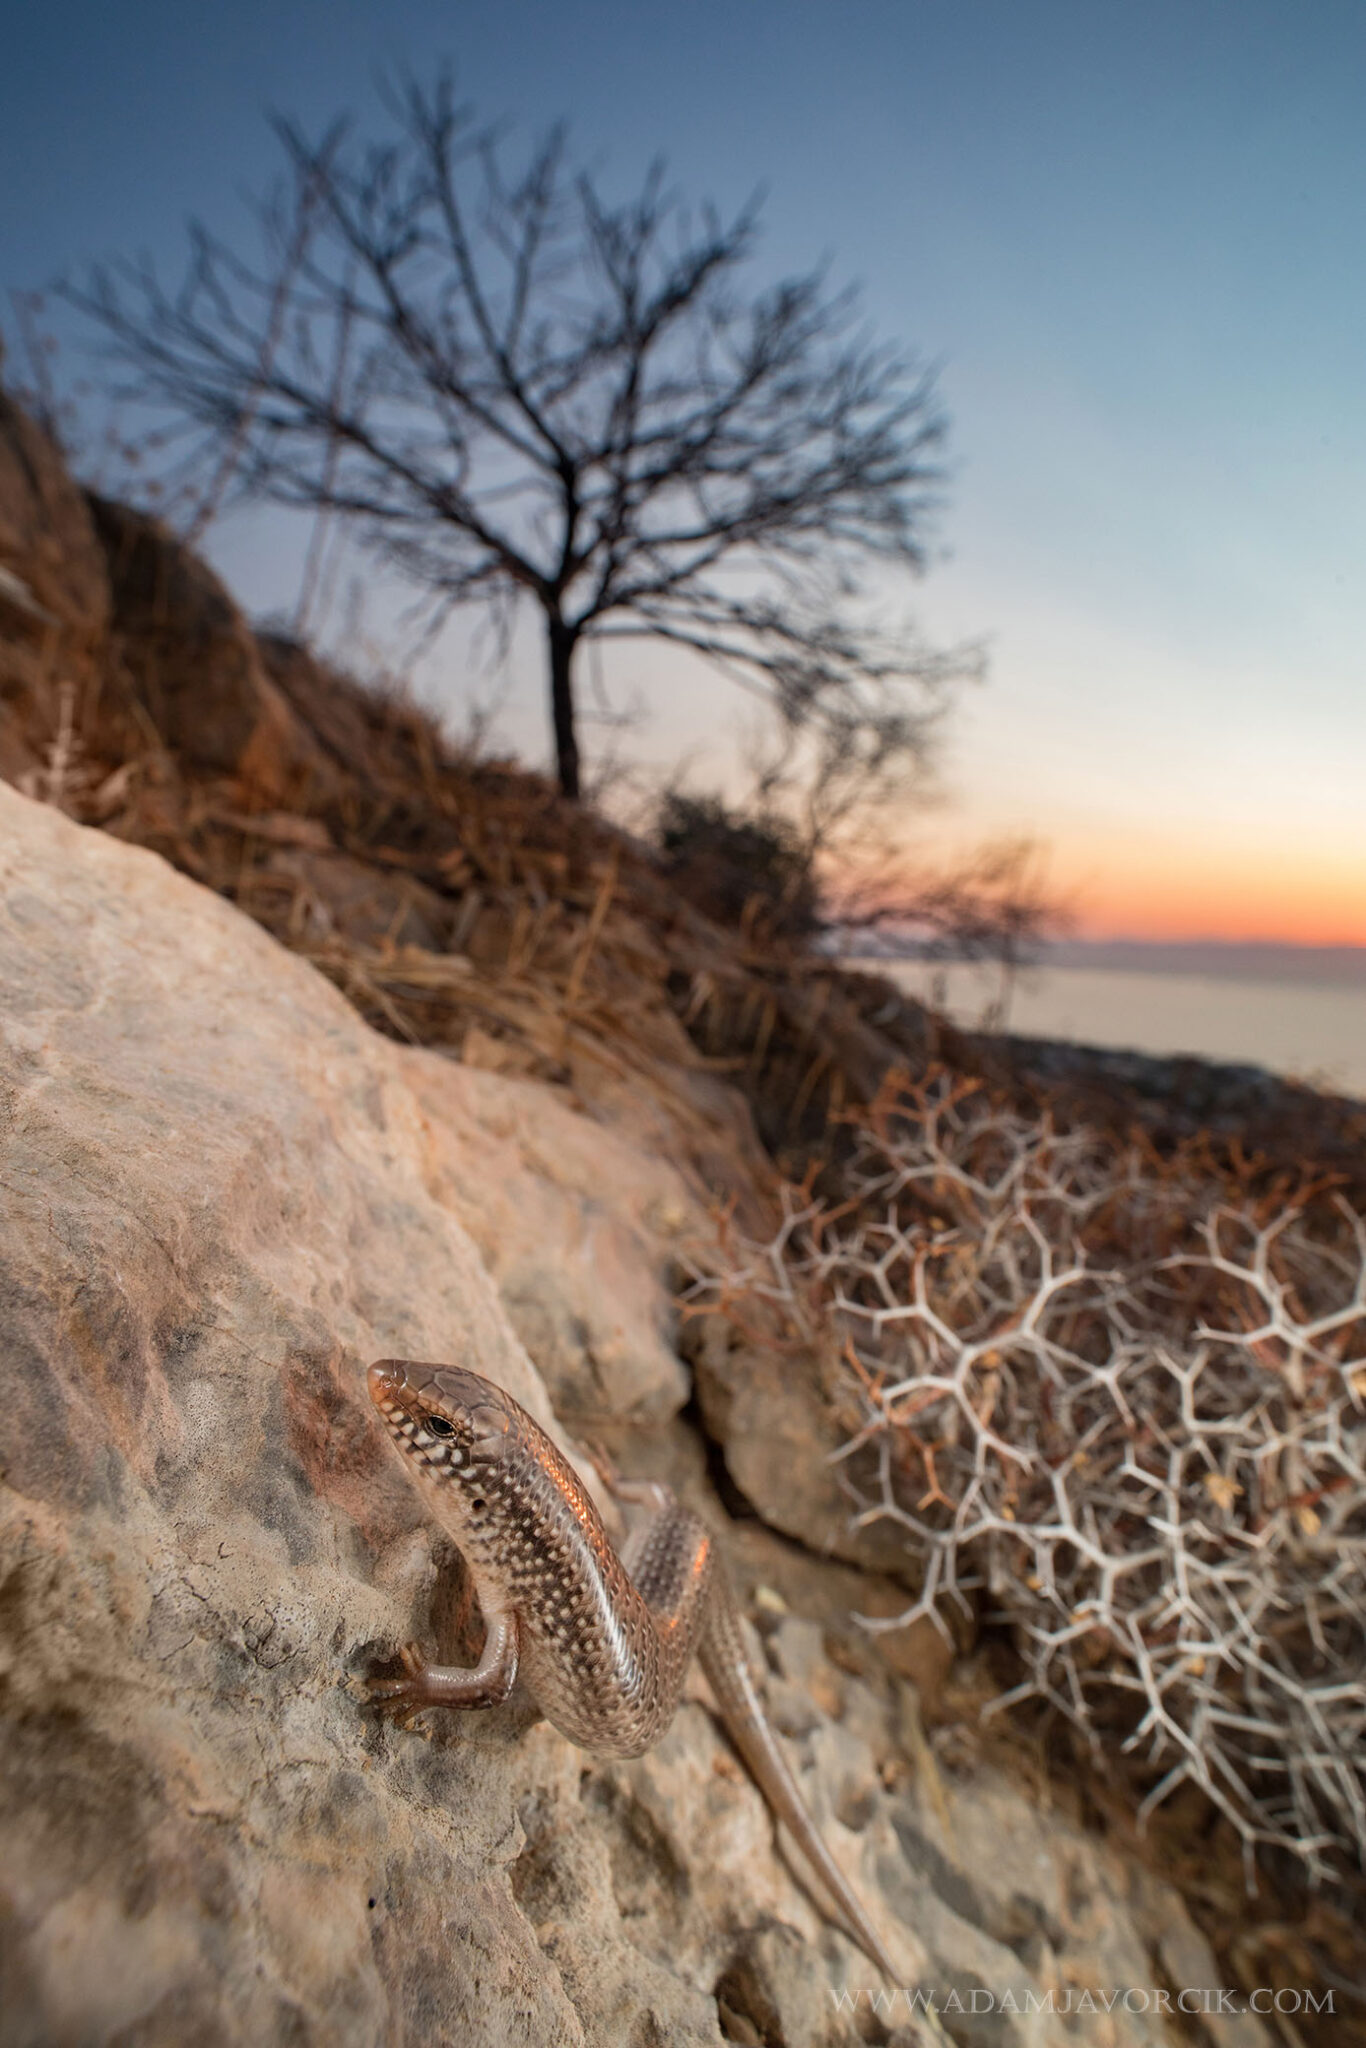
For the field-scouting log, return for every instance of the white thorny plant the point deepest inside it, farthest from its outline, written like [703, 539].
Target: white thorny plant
[1125, 1398]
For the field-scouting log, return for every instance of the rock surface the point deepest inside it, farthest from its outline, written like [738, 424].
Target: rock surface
[574, 1224]
[221, 1195]
[193, 664]
[54, 590]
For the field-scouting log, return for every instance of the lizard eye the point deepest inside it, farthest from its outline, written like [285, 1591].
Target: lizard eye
[439, 1426]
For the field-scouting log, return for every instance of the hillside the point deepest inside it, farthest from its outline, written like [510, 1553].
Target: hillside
[461, 904]
[594, 1096]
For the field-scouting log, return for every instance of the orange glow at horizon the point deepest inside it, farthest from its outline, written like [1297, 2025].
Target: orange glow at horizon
[1121, 886]
[1221, 893]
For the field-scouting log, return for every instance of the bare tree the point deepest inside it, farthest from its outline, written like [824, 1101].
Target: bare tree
[521, 391]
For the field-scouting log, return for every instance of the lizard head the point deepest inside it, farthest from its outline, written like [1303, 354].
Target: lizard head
[452, 1425]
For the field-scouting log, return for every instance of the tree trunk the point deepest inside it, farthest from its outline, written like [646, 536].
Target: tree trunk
[562, 644]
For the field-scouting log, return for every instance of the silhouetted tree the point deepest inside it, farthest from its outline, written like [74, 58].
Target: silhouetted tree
[521, 391]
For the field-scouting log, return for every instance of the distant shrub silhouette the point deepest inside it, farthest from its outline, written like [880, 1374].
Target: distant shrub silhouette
[743, 871]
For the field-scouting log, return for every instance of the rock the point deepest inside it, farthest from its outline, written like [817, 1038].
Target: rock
[221, 1195]
[47, 539]
[113, 635]
[777, 1576]
[576, 1226]
[214, 1213]
[194, 663]
[771, 1411]
[54, 599]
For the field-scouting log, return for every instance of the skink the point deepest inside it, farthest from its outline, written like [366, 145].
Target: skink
[602, 1642]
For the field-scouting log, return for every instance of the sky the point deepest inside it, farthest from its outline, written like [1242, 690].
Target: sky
[1130, 238]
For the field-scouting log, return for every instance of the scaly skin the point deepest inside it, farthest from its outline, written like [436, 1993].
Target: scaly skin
[601, 1642]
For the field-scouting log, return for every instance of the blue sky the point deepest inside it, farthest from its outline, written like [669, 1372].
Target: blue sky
[1130, 236]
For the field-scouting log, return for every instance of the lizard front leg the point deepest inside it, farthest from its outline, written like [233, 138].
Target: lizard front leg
[485, 1684]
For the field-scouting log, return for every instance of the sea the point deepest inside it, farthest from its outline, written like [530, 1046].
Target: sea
[1299, 1011]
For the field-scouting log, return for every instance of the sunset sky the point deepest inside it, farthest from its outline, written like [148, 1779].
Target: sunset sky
[1131, 236]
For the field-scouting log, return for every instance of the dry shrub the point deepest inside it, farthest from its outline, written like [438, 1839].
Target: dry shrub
[743, 870]
[1122, 1401]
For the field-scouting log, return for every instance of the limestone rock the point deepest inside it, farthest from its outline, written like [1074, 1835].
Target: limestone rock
[576, 1226]
[54, 591]
[221, 1195]
[194, 663]
[770, 1410]
[47, 540]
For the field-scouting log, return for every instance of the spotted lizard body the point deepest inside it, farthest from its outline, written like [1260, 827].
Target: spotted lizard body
[602, 1642]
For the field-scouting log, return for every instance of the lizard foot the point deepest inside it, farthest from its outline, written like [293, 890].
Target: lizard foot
[406, 1696]
[485, 1684]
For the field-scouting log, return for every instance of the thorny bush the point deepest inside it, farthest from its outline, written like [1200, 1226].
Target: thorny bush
[1124, 1398]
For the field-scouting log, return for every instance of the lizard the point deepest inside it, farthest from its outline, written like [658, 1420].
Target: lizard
[601, 1641]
